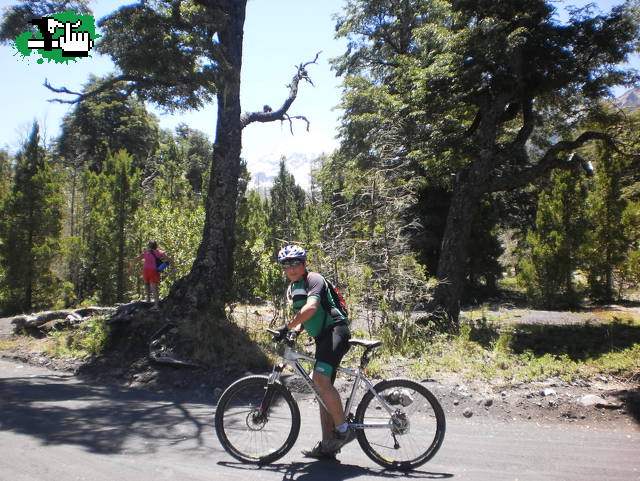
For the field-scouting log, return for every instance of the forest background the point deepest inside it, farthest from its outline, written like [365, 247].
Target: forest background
[76, 210]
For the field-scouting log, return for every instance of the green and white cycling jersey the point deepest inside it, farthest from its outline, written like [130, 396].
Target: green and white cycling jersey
[316, 287]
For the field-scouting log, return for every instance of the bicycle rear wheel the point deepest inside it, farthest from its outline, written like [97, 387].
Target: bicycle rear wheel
[249, 434]
[416, 428]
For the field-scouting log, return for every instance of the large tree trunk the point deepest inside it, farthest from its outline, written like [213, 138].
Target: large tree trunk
[201, 295]
[453, 253]
[471, 183]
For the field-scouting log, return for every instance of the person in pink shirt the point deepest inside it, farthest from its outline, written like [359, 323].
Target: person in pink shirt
[150, 273]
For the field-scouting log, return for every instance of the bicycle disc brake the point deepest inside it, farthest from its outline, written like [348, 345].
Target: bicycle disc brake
[399, 423]
[256, 421]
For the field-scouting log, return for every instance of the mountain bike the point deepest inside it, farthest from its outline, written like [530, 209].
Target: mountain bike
[399, 423]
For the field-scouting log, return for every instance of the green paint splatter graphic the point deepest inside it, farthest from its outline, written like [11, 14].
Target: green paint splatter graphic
[69, 36]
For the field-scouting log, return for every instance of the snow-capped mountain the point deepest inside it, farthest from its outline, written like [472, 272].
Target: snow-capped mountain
[265, 170]
[630, 99]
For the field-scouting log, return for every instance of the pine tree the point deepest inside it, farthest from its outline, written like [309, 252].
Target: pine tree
[31, 227]
[171, 182]
[6, 175]
[607, 242]
[286, 209]
[287, 206]
[113, 197]
[554, 244]
[254, 266]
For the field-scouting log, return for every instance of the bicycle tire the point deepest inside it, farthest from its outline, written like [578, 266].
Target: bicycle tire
[420, 425]
[246, 435]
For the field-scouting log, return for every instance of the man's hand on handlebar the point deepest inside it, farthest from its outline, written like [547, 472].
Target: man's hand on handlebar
[282, 333]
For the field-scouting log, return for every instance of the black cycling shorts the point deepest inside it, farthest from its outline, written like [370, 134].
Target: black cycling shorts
[331, 346]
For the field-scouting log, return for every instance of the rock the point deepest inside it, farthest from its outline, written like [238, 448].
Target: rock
[488, 402]
[456, 402]
[591, 400]
[548, 392]
[467, 413]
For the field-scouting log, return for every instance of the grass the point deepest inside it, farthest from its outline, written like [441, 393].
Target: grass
[8, 344]
[525, 353]
[88, 340]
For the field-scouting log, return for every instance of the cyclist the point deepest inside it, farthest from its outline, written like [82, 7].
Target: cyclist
[308, 293]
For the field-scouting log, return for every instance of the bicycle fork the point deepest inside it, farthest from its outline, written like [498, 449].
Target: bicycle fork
[265, 404]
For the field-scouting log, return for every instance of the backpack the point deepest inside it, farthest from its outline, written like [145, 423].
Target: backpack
[336, 296]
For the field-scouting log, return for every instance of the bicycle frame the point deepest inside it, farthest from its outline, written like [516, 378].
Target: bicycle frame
[292, 358]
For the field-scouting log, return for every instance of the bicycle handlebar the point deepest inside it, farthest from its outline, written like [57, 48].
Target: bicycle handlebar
[284, 336]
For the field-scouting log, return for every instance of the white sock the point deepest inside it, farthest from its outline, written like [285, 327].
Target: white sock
[342, 428]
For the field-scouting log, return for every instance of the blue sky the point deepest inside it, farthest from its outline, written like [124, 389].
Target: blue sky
[279, 34]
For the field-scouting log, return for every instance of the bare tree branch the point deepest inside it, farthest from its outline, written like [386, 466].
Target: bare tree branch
[550, 161]
[269, 115]
[82, 96]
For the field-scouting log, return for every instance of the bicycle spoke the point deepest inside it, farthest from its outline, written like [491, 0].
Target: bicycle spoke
[250, 435]
[417, 425]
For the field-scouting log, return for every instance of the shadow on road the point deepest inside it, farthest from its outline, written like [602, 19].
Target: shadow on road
[335, 471]
[61, 410]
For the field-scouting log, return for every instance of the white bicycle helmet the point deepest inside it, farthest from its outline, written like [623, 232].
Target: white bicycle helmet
[292, 252]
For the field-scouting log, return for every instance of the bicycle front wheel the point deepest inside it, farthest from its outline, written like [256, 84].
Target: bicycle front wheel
[253, 430]
[413, 433]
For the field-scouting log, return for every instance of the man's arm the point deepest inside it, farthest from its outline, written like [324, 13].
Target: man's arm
[306, 313]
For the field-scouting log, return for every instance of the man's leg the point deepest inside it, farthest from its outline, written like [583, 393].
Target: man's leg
[330, 349]
[335, 414]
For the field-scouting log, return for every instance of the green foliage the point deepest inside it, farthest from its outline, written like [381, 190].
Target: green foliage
[607, 241]
[168, 51]
[88, 340]
[424, 70]
[475, 98]
[112, 199]
[104, 124]
[6, 175]
[287, 208]
[526, 353]
[197, 150]
[255, 272]
[364, 208]
[177, 228]
[628, 270]
[30, 228]
[554, 245]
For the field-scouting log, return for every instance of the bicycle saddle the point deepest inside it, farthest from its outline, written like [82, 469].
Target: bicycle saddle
[365, 343]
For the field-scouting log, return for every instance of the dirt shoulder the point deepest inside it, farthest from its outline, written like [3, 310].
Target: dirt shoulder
[602, 402]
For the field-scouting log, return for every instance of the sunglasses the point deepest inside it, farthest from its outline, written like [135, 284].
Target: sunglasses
[291, 265]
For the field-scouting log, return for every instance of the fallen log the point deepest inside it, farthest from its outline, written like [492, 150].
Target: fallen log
[35, 320]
